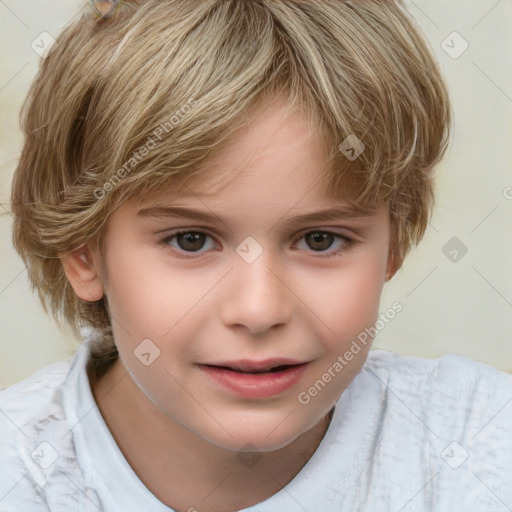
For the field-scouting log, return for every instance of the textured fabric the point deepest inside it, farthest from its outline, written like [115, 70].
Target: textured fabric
[409, 434]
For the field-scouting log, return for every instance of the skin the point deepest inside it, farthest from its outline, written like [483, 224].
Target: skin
[172, 422]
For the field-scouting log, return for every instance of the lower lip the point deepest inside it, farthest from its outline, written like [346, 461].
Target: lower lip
[256, 385]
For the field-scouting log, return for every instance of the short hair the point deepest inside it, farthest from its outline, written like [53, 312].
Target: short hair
[194, 72]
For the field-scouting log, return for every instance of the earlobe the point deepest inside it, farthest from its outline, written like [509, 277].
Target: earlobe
[393, 266]
[82, 270]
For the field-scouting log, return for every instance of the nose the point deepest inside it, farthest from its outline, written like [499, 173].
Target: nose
[257, 296]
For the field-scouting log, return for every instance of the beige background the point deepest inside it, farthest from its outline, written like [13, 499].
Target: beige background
[461, 307]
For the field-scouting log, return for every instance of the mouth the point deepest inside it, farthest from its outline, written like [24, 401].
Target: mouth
[255, 367]
[256, 380]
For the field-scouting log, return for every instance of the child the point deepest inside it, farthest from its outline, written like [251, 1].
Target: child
[292, 144]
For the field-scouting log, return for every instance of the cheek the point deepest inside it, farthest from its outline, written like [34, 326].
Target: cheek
[153, 300]
[136, 291]
[349, 301]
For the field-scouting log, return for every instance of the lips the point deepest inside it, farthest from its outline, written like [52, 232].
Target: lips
[248, 366]
[256, 379]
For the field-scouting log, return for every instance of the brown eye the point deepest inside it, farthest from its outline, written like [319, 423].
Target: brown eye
[191, 241]
[187, 241]
[324, 243]
[321, 243]
[319, 240]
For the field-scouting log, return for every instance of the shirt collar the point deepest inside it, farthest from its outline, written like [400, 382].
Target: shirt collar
[335, 464]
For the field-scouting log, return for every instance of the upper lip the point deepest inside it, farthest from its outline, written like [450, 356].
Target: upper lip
[247, 365]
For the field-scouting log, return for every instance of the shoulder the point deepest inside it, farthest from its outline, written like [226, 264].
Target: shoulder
[444, 425]
[413, 433]
[33, 427]
[449, 375]
[452, 389]
[444, 399]
[54, 372]
[33, 397]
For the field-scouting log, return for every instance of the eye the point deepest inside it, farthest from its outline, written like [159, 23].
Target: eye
[318, 241]
[187, 241]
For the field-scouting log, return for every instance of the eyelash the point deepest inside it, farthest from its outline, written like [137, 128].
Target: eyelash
[348, 242]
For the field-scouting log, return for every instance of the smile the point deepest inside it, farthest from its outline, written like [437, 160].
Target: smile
[248, 381]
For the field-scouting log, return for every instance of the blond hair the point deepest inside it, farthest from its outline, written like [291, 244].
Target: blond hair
[190, 74]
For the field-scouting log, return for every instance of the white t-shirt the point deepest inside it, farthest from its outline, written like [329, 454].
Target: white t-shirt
[408, 434]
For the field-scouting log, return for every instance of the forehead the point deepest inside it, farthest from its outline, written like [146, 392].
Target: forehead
[275, 146]
[278, 161]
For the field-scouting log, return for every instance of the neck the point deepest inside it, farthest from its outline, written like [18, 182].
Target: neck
[184, 471]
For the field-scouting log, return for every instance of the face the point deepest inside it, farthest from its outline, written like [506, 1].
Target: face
[242, 313]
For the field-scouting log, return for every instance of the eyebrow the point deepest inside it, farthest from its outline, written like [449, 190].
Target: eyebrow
[334, 213]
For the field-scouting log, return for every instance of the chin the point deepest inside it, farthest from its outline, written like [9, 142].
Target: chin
[253, 442]
[257, 432]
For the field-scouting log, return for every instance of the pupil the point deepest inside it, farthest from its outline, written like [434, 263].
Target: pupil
[319, 238]
[193, 241]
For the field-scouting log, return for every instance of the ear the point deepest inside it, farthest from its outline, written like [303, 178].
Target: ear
[393, 265]
[81, 267]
